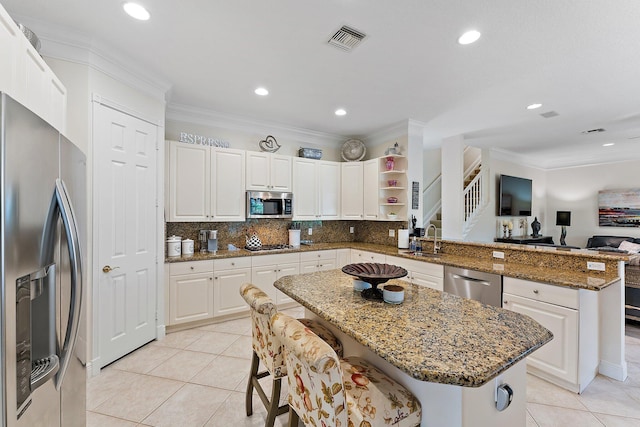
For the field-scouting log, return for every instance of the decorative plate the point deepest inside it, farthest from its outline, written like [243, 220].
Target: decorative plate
[353, 150]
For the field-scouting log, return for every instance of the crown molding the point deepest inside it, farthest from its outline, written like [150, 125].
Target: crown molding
[206, 117]
[63, 44]
[388, 133]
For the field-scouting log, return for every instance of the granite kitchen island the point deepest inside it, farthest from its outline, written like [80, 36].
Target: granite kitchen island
[451, 352]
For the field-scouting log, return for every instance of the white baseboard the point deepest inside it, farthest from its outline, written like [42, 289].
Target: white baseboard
[611, 370]
[161, 332]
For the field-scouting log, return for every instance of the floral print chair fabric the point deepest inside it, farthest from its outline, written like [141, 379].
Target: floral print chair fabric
[268, 350]
[327, 391]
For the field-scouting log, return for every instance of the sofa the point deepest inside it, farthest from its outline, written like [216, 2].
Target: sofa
[632, 269]
[610, 243]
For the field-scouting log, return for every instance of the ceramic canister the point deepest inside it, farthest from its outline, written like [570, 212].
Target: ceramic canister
[393, 294]
[187, 247]
[174, 247]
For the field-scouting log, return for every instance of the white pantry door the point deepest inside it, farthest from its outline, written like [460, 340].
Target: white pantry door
[125, 210]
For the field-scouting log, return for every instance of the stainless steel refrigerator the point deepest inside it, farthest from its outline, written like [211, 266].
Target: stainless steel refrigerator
[42, 227]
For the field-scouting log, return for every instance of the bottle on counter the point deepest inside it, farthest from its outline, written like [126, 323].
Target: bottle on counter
[412, 244]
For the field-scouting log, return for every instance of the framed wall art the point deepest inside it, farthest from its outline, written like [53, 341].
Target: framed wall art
[619, 208]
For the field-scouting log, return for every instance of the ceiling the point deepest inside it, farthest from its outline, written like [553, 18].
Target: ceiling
[580, 59]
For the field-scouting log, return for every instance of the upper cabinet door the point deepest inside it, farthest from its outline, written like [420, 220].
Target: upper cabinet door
[258, 171]
[228, 175]
[370, 190]
[189, 182]
[329, 189]
[268, 172]
[281, 173]
[352, 196]
[305, 189]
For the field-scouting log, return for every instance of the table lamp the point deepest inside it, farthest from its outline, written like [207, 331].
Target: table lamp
[563, 218]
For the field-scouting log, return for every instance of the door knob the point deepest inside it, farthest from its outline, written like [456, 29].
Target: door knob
[108, 268]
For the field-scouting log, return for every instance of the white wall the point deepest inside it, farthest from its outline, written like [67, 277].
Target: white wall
[82, 82]
[248, 140]
[487, 228]
[576, 190]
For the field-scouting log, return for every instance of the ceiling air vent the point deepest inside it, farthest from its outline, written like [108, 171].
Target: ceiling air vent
[346, 38]
[587, 132]
[549, 114]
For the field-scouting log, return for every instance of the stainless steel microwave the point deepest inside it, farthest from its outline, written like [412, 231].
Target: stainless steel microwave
[269, 204]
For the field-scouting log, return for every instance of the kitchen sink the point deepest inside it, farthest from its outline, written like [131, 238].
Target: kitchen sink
[423, 254]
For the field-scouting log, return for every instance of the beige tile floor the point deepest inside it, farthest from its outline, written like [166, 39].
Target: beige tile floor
[197, 377]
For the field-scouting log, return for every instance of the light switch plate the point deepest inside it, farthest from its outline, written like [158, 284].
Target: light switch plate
[392, 233]
[498, 254]
[310, 231]
[591, 265]
[352, 230]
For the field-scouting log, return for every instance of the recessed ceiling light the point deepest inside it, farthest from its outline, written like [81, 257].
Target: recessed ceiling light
[469, 37]
[533, 106]
[608, 144]
[341, 112]
[136, 11]
[261, 91]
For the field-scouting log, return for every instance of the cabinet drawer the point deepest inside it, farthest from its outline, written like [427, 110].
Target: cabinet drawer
[315, 255]
[358, 256]
[435, 270]
[190, 267]
[231, 263]
[551, 294]
[275, 259]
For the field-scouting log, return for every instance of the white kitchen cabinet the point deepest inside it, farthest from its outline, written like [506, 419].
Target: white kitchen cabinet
[229, 275]
[27, 78]
[205, 183]
[311, 262]
[190, 291]
[371, 193]
[570, 360]
[316, 189]
[352, 196]
[266, 269]
[419, 272]
[343, 257]
[268, 172]
[358, 256]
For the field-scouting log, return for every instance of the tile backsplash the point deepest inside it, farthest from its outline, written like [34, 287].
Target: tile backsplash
[276, 231]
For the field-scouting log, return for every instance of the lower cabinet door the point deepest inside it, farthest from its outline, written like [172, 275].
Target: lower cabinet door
[263, 277]
[286, 270]
[559, 357]
[191, 298]
[418, 278]
[226, 291]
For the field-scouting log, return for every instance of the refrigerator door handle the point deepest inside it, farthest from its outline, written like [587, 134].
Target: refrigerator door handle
[71, 230]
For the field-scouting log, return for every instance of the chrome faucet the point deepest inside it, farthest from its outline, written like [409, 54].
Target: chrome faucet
[436, 244]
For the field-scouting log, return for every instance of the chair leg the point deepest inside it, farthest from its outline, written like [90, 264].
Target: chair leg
[255, 362]
[293, 418]
[272, 411]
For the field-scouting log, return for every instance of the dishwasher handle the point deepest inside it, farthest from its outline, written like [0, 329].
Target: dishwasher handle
[471, 279]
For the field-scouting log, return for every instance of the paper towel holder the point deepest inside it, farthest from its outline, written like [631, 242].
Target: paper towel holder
[403, 239]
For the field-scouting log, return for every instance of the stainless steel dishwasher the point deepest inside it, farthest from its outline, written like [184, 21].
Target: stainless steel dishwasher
[476, 285]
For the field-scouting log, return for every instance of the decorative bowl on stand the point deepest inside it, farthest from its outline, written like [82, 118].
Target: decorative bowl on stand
[375, 274]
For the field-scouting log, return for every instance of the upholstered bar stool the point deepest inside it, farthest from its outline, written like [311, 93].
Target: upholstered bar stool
[327, 390]
[268, 349]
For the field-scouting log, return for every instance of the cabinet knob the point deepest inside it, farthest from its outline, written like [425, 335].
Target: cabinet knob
[506, 302]
[191, 267]
[210, 278]
[535, 291]
[233, 263]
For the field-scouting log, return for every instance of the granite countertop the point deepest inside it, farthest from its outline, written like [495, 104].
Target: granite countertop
[552, 274]
[432, 336]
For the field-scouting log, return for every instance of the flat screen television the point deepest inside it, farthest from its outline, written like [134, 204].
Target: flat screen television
[515, 196]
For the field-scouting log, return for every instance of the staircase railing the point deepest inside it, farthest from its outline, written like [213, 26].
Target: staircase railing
[475, 199]
[432, 197]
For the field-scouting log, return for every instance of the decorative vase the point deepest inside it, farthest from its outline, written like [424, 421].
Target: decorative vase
[390, 163]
